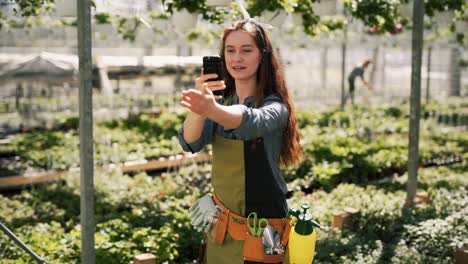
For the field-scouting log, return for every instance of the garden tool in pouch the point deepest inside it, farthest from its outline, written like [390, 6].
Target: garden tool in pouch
[302, 238]
[271, 241]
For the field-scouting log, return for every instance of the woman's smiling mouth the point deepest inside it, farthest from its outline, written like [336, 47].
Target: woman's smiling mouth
[238, 68]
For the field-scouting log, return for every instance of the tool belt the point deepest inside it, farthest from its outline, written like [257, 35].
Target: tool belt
[236, 226]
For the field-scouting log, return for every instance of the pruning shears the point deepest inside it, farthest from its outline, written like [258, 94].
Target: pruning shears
[256, 229]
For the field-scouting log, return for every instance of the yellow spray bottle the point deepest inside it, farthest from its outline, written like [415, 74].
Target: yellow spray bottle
[301, 245]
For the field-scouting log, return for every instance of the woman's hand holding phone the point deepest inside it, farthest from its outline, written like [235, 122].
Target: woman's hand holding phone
[212, 85]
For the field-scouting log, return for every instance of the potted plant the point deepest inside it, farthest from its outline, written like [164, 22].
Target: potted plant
[304, 14]
[66, 8]
[406, 8]
[379, 15]
[324, 7]
[444, 18]
[218, 2]
[442, 11]
[184, 13]
[274, 18]
[183, 20]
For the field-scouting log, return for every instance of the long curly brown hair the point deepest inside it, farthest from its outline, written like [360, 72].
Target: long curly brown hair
[271, 80]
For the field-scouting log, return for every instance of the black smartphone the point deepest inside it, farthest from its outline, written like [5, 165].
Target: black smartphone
[214, 64]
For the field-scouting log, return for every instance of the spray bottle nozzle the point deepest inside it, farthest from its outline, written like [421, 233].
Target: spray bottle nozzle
[305, 207]
[305, 224]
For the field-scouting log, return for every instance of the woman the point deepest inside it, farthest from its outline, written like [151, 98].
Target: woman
[253, 129]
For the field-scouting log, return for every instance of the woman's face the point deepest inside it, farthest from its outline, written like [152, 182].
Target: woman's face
[242, 55]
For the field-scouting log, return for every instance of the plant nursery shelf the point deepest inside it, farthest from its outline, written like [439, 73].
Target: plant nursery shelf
[163, 163]
[21, 181]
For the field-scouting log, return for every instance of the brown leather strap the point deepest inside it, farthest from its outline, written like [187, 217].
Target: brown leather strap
[201, 251]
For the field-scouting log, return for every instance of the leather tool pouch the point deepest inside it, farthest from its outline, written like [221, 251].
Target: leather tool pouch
[253, 246]
[253, 251]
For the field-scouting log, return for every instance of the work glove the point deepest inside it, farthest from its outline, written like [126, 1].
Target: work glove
[203, 213]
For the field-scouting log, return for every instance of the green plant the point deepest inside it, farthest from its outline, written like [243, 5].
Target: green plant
[380, 15]
[103, 18]
[437, 239]
[432, 6]
[142, 213]
[213, 14]
[34, 7]
[345, 247]
[331, 24]
[405, 254]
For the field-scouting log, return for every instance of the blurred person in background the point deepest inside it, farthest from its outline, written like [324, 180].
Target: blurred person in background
[253, 130]
[357, 71]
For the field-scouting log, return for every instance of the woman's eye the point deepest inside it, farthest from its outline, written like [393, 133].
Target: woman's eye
[230, 51]
[247, 50]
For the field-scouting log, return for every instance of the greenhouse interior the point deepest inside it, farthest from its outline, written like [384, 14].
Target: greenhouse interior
[115, 147]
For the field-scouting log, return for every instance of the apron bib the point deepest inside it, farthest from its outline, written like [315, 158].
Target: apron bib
[243, 181]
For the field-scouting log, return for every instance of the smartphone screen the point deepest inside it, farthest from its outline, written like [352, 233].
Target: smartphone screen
[213, 64]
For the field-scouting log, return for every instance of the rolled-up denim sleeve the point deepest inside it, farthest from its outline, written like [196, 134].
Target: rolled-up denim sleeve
[200, 143]
[270, 118]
